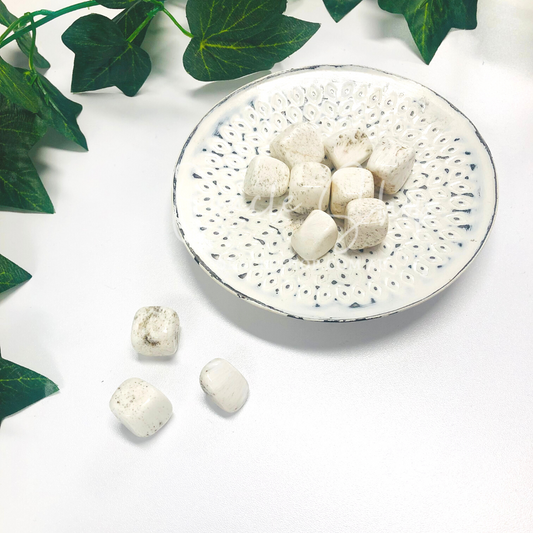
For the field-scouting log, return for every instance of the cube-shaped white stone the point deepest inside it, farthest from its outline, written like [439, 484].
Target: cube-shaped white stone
[225, 384]
[299, 143]
[366, 223]
[391, 164]
[141, 407]
[315, 237]
[349, 184]
[155, 331]
[266, 177]
[348, 148]
[309, 187]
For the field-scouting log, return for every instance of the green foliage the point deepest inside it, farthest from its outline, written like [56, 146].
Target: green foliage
[59, 112]
[11, 274]
[15, 88]
[430, 20]
[21, 387]
[232, 39]
[24, 42]
[117, 4]
[20, 185]
[131, 18]
[340, 8]
[104, 57]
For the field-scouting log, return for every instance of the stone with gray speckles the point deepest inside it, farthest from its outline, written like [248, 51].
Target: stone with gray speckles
[391, 164]
[155, 331]
[309, 187]
[266, 177]
[366, 223]
[225, 384]
[299, 143]
[140, 407]
[348, 148]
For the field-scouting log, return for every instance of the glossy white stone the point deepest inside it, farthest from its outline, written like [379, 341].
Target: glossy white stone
[315, 237]
[141, 407]
[225, 384]
[299, 143]
[266, 177]
[348, 148]
[309, 187]
[349, 184]
[391, 164]
[155, 331]
[366, 223]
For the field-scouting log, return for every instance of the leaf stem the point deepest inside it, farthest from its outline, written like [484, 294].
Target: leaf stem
[32, 47]
[171, 17]
[149, 17]
[49, 15]
[10, 28]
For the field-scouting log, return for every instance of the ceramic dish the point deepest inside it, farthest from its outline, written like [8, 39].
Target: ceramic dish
[438, 222]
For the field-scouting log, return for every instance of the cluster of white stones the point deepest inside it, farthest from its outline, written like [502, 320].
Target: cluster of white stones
[144, 409]
[296, 166]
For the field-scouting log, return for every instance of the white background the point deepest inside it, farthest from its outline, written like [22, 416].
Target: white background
[420, 422]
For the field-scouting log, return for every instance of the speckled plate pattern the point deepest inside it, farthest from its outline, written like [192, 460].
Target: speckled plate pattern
[438, 221]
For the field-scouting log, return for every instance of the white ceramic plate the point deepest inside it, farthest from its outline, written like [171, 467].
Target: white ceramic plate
[438, 222]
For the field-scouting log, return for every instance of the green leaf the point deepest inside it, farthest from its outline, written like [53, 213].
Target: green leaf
[117, 4]
[430, 20]
[11, 275]
[60, 112]
[20, 185]
[340, 8]
[230, 19]
[16, 89]
[24, 41]
[104, 58]
[130, 19]
[21, 387]
[232, 39]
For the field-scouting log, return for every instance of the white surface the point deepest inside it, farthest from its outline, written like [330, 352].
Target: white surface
[418, 422]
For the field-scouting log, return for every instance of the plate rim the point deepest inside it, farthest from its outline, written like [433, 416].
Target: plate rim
[181, 234]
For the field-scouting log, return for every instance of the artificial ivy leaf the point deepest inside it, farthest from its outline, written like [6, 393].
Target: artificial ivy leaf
[117, 4]
[20, 185]
[104, 58]
[230, 20]
[130, 19]
[21, 387]
[60, 112]
[242, 38]
[16, 89]
[24, 41]
[430, 20]
[340, 8]
[11, 274]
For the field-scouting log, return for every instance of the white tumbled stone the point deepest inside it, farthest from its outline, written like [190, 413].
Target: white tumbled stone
[315, 237]
[266, 177]
[141, 407]
[299, 143]
[225, 384]
[366, 223]
[349, 184]
[348, 148]
[391, 164]
[309, 187]
[155, 331]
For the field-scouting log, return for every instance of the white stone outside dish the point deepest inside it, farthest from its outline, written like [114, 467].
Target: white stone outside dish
[141, 407]
[226, 386]
[439, 220]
